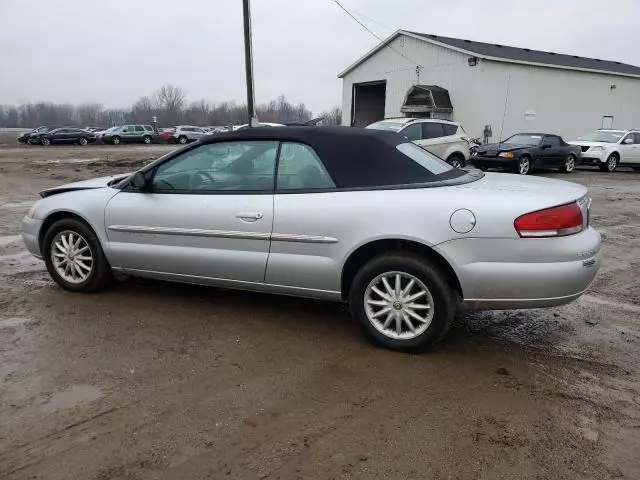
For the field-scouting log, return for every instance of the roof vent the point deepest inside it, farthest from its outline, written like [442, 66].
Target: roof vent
[433, 36]
[576, 56]
[597, 60]
[527, 49]
[498, 45]
[467, 41]
[551, 53]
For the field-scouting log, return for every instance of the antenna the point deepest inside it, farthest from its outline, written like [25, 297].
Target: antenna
[504, 113]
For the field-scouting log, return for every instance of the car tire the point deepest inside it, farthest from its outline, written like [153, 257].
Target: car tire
[182, 140]
[367, 306]
[637, 169]
[88, 269]
[523, 165]
[456, 161]
[611, 164]
[83, 141]
[569, 164]
[45, 141]
[116, 140]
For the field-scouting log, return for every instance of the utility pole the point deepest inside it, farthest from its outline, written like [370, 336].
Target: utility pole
[248, 60]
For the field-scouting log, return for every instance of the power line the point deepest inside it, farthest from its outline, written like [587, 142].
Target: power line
[373, 20]
[373, 33]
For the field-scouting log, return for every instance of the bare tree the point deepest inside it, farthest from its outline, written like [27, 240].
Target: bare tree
[170, 101]
[332, 116]
[89, 114]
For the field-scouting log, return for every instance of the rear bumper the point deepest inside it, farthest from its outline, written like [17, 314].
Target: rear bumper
[31, 234]
[492, 162]
[524, 273]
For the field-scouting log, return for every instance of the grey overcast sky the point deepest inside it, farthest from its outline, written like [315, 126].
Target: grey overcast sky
[114, 51]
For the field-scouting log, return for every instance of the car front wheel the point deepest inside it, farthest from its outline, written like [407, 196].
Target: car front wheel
[146, 139]
[524, 165]
[45, 142]
[182, 140]
[456, 161]
[611, 165]
[402, 302]
[74, 258]
[115, 140]
[82, 141]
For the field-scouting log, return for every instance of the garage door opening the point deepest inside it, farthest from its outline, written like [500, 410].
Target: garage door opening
[367, 103]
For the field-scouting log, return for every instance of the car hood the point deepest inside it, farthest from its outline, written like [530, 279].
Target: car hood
[539, 191]
[101, 182]
[582, 143]
[502, 147]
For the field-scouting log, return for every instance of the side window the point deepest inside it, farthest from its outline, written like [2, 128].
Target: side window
[449, 129]
[637, 138]
[139, 128]
[126, 129]
[217, 167]
[148, 128]
[300, 168]
[413, 132]
[631, 136]
[553, 141]
[432, 130]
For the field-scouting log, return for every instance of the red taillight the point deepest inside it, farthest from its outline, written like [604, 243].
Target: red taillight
[551, 222]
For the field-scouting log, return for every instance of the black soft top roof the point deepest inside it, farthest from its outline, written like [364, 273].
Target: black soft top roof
[354, 157]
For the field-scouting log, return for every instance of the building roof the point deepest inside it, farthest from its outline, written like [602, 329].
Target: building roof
[496, 52]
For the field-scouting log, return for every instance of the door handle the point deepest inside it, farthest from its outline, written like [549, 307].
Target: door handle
[249, 216]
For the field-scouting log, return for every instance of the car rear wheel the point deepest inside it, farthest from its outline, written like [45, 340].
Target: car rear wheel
[146, 139]
[569, 164]
[611, 165]
[45, 142]
[402, 302]
[524, 165]
[82, 141]
[115, 140]
[74, 258]
[456, 161]
[182, 140]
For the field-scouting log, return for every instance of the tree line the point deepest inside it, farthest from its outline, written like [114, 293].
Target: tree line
[168, 104]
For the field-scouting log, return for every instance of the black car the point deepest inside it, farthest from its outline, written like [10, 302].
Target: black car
[29, 137]
[65, 135]
[524, 151]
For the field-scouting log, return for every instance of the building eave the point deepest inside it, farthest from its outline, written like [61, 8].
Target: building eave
[397, 33]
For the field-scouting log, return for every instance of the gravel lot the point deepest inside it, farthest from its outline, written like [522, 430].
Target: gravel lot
[161, 381]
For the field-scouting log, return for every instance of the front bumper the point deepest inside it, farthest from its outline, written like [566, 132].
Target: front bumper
[492, 162]
[31, 235]
[524, 273]
[590, 159]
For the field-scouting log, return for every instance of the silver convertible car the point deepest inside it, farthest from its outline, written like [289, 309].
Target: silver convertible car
[335, 213]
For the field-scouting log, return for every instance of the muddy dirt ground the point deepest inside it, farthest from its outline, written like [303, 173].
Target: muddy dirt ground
[160, 381]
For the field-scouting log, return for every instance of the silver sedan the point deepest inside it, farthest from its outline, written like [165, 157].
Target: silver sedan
[342, 214]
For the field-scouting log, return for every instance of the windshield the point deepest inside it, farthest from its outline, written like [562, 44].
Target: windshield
[523, 139]
[602, 136]
[387, 125]
[427, 160]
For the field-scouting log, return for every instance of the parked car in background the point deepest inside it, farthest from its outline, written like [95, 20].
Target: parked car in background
[182, 134]
[28, 137]
[343, 214]
[445, 139]
[129, 134]
[94, 129]
[609, 149]
[522, 152]
[260, 124]
[65, 135]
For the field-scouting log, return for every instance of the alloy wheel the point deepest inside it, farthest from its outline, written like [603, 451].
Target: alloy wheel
[45, 141]
[570, 163]
[456, 163]
[523, 165]
[83, 141]
[398, 305]
[147, 140]
[71, 256]
[612, 163]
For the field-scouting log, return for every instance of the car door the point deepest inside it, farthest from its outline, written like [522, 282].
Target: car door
[198, 133]
[627, 149]
[206, 214]
[552, 153]
[432, 133]
[138, 133]
[304, 234]
[635, 159]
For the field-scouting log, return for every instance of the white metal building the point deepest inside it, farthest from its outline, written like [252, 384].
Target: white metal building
[478, 84]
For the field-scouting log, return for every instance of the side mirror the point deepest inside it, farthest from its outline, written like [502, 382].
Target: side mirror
[139, 181]
[628, 141]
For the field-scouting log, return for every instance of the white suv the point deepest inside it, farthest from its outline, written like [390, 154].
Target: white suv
[610, 148]
[447, 140]
[187, 133]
